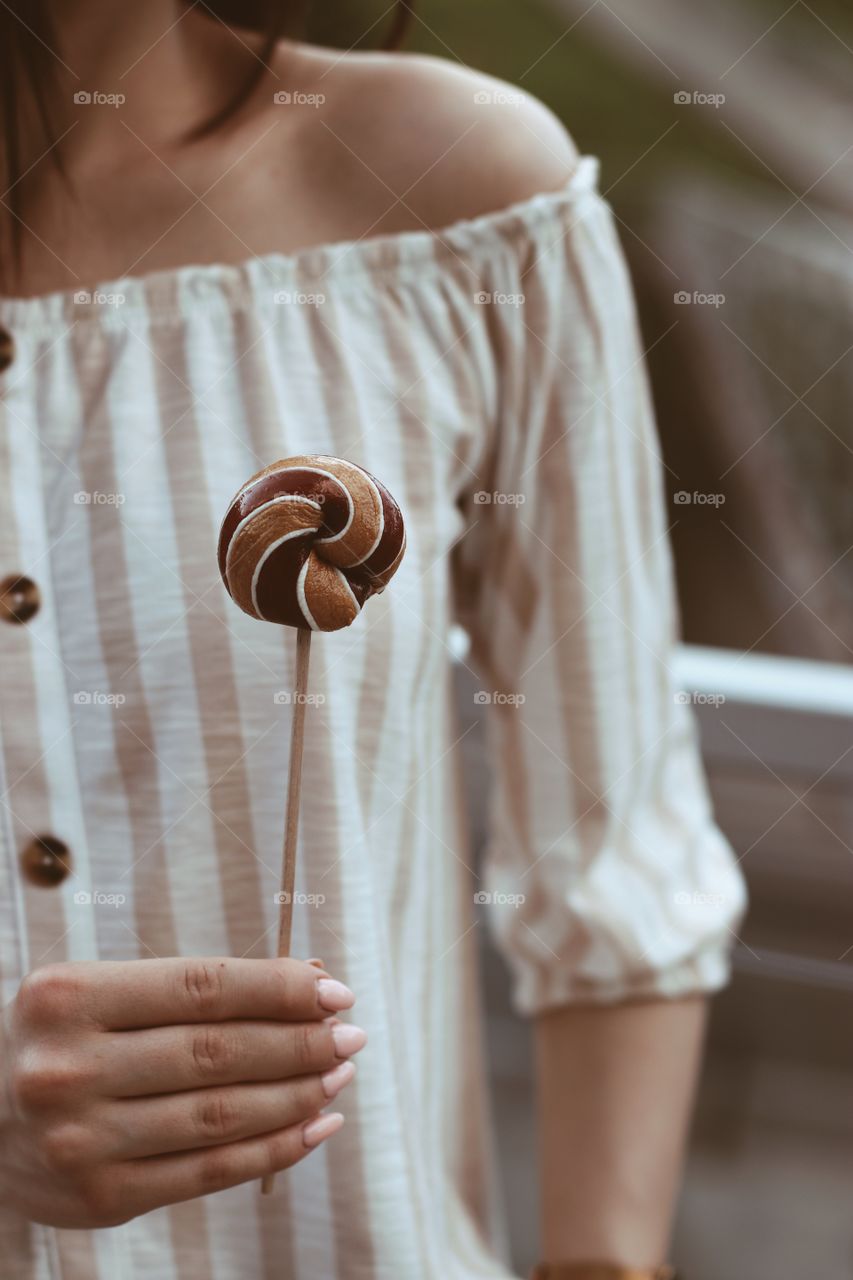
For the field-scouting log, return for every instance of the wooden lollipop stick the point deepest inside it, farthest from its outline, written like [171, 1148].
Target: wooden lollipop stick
[305, 543]
[294, 790]
[291, 822]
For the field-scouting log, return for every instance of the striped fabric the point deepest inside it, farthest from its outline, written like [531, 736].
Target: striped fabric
[140, 722]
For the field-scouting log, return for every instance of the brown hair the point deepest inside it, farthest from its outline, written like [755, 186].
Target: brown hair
[28, 77]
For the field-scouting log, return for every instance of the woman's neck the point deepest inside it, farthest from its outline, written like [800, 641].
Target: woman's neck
[155, 68]
[100, 39]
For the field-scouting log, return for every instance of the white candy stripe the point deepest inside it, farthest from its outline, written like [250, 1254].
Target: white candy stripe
[345, 581]
[378, 537]
[303, 601]
[284, 497]
[319, 471]
[296, 533]
[392, 567]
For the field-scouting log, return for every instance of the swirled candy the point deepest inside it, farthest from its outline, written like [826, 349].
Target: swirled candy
[307, 541]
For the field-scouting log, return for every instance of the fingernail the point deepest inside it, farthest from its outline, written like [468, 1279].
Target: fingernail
[336, 1079]
[333, 995]
[316, 1131]
[348, 1039]
[318, 964]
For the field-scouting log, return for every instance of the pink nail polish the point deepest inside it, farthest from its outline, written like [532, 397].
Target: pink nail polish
[333, 995]
[316, 1131]
[336, 1079]
[348, 1039]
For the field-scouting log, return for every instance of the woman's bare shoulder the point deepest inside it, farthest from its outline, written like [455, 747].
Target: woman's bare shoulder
[434, 140]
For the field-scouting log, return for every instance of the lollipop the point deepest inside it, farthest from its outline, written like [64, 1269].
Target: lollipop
[308, 540]
[305, 543]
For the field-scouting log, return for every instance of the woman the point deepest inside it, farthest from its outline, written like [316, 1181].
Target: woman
[400, 261]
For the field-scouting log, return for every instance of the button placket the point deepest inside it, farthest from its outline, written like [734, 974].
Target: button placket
[47, 823]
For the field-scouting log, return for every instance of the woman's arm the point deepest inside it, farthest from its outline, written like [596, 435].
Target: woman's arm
[607, 880]
[615, 1091]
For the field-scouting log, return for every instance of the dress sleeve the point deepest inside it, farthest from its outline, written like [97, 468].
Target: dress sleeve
[605, 876]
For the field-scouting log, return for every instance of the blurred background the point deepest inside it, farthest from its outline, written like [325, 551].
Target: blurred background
[726, 139]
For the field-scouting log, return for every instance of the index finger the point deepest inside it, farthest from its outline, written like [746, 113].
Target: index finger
[134, 994]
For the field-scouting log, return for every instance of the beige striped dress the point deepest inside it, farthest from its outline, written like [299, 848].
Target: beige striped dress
[492, 377]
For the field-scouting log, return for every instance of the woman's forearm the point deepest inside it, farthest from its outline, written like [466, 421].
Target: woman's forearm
[615, 1093]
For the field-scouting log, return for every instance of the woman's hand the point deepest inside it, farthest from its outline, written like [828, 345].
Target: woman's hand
[127, 1086]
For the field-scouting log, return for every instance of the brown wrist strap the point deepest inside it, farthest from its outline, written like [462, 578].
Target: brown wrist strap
[598, 1271]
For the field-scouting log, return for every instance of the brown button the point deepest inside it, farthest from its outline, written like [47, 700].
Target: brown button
[7, 349]
[20, 599]
[46, 861]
